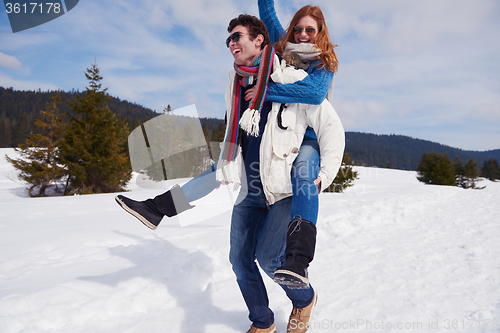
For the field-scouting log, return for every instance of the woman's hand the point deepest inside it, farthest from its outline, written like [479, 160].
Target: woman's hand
[222, 183]
[317, 182]
[250, 93]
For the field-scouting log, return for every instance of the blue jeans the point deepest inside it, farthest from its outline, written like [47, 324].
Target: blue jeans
[258, 232]
[201, 185]
[305, 170]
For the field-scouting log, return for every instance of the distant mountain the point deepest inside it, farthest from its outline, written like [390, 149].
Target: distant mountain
[19, 109]
[403, 152]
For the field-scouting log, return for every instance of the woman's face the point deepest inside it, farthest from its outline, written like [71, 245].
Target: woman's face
[306, 30]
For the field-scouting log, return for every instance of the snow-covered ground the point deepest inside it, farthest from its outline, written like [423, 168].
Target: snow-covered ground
[393, 255]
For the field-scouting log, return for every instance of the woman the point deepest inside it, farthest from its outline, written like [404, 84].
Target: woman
[307, 40]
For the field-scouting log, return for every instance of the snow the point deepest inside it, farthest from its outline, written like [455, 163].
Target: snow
[393, 255]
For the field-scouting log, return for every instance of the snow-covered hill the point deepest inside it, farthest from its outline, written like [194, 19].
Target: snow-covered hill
[393, 255]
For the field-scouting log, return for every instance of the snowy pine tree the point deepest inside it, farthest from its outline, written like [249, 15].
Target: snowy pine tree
[40, 163]
[466, 175]
[471, 174]
[491, 169]
[345, 177]
[436, 169]
[95, 142]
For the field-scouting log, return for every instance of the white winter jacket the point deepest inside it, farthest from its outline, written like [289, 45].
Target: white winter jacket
[280, 147]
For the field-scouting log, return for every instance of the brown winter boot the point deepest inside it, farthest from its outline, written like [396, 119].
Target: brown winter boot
[300, 318]
[270, 329]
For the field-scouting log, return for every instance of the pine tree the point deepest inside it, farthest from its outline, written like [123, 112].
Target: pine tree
[21, 130]
[214, 135]
[94, 144]
[466, 175]
[491, 170]
[436, 169]
[168, 110]
[471, 175]
[220, 131]
[5, 132]
[345, 177]
[459, 172]
[161, 133]
[39, 163]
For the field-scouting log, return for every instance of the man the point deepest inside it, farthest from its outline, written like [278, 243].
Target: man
[250, 158]
[257, 229]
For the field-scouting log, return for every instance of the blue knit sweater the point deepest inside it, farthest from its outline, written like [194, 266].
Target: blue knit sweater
[310, 90]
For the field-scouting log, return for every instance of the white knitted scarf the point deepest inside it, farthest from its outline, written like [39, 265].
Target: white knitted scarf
[308, 53]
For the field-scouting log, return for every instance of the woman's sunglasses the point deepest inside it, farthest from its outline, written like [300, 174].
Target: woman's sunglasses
[309, 30]
[234, 37]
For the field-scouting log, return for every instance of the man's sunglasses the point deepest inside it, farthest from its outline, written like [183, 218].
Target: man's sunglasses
[309, 30]
[234, 37]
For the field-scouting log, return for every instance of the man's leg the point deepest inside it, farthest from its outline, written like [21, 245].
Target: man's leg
[246, 221]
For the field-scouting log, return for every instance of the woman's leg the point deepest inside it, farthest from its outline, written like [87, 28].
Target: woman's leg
[305, 170]
[301, 233]
[270, 249]
[173, 202]
[201, 185]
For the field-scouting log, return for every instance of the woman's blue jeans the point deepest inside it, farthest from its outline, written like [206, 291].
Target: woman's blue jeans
[305, 201]
[304, 171]
[201, 185]
[258, 232]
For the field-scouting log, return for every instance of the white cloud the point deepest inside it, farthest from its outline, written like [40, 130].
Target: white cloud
[27, 39]
[408, 26]
[156, 52]
[7, 81]
[406, 67]
[488, 112]
[359, 115]
[207, 20]
[135, 86]
[10, 62]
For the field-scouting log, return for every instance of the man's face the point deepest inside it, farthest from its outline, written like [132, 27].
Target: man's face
[244, 50]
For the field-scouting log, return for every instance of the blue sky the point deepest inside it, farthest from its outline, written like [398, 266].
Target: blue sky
[428, 69]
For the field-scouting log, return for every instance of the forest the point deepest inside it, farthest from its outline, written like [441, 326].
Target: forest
[20, 109]
[403, 152]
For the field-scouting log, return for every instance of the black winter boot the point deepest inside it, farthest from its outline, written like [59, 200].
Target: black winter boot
[150, 212]
[299, 252]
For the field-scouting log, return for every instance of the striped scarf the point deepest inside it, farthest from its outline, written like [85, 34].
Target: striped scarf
[250, 118]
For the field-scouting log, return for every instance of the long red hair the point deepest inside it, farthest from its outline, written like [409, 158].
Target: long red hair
[322, 42]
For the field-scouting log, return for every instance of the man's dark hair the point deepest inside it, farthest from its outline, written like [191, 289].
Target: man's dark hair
[254, 25]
